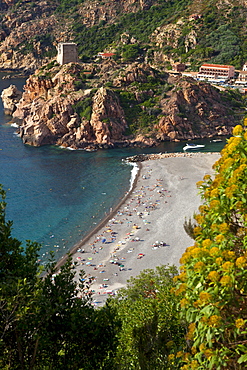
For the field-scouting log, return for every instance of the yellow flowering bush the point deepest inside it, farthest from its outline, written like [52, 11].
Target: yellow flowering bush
[213, 276]
[219, 261]
[241, 262]
[226, 281]
[237, 130]
[214, 193]
[206, 243]
[219, 238]
[214, 251]
[214, 300]
[197, 230]
[205, 297]
[239, 323]
[214, 321]
[199, 266]
[227, 266]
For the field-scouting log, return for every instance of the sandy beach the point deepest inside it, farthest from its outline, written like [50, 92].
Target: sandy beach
[147, 229]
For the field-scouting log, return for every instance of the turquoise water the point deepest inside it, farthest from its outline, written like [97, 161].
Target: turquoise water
[56, 196]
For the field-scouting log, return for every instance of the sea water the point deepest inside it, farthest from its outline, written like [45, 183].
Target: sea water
[56, 196]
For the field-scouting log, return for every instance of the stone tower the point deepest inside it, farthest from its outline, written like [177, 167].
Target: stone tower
[67, 53]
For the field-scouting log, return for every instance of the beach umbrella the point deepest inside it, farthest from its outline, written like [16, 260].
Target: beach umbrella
[90, 258]
[121, 265]
[88, 263]
[103, 240]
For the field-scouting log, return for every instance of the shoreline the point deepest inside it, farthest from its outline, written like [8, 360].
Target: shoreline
[101, 224]
[145, 229]
[133, 159]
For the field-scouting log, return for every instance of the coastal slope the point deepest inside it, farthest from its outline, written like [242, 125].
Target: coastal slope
[86, 106]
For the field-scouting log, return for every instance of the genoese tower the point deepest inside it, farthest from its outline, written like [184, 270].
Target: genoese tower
[67, 53]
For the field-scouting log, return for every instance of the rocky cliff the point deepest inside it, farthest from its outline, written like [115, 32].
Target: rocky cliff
[52, 111]
[74, 106]
[195, 110]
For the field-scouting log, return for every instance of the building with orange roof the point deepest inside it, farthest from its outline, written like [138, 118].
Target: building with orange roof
[106, 55]
[216, 71]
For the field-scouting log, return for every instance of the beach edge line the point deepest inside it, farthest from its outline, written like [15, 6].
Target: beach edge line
[101, 224]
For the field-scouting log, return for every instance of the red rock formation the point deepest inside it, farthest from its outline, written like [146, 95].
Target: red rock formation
[194, 110]
[107, 120]
[54, 111]
[49, 118]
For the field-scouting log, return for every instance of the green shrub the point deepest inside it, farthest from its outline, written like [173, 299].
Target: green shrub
[84, 108]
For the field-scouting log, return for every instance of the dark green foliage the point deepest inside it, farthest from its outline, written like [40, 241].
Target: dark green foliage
[131, 110]
[130, 52]
[220, 32]
[48, 322]
[150, 325]
[234, 98]
[140, 25]
[45, 44]
[67, 5]
[225, 43]
[84, 108]
[189, 228]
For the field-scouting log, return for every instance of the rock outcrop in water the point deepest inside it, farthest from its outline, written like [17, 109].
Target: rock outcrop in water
[10, 97]
[86, 106]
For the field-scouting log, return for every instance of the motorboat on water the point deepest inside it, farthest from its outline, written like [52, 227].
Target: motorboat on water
[192, 146]
[217, 141]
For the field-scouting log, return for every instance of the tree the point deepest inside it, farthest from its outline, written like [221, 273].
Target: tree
[47, 321]
[130, 52]
[151, 330]
[213, 279]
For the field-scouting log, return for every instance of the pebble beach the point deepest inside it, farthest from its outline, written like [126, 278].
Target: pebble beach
[146, 230]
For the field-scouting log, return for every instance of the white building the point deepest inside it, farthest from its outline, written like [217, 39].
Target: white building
[245, 66]
[242, 78]
[67, 53]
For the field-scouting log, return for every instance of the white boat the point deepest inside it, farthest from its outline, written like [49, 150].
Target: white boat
[216, 141]
[191, 146]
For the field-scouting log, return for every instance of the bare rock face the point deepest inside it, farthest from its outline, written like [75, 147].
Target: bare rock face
[93, 11]
[10, 97]
[135, 72]
[170, 35]
[107, 120]
[22, 29]
[194, 110]
[49, 117]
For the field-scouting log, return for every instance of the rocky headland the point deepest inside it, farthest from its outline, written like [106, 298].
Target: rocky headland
[84, 105]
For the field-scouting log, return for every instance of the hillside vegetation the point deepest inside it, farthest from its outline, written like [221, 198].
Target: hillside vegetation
[160, 32]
